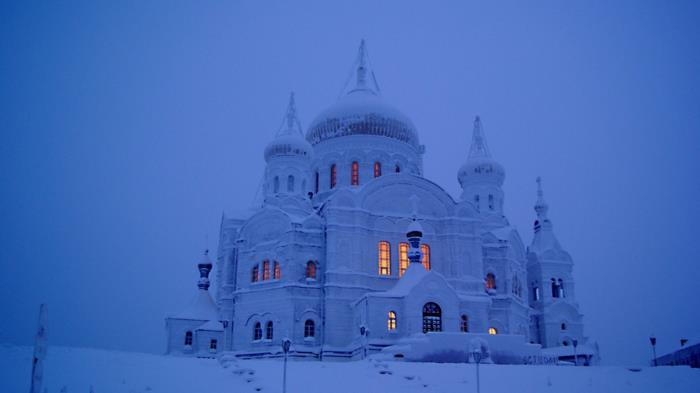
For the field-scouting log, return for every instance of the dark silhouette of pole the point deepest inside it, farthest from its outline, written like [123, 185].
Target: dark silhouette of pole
[652, 339]
[477, 358]
[286, 344]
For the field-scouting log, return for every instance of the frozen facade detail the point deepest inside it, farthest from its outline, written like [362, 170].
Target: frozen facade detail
[351, 250]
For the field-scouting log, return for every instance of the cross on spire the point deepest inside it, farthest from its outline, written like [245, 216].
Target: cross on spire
[362, 73]
[291, 123]
[541, 206]
[479, 148]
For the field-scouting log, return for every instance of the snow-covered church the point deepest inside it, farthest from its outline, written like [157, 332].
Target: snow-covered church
[351, 251]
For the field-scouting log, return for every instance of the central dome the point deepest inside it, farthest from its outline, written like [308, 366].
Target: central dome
[362, 111]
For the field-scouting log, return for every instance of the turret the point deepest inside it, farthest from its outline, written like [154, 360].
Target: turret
[288, 159]
[204, 267]
[481, 177]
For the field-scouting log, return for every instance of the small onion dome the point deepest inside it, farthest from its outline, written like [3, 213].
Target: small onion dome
[481, 170]
[415, 229]
[289, 140]
[288, 145]
[362, 112]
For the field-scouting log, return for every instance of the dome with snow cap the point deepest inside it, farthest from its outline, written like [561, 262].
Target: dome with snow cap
[480, 167]
[362, 111]
[289, 140]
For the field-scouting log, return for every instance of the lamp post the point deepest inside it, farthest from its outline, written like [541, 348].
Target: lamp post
[476, 354]
[286, 344]
[652, 340]
[575, 342]
[364, 332]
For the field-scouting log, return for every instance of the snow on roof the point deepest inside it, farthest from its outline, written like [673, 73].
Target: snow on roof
[502, 233]
[201, 308]
[213, 325]
[412, 277]
[544, 240]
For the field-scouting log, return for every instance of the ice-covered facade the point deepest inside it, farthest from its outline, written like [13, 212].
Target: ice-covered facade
[352, 250]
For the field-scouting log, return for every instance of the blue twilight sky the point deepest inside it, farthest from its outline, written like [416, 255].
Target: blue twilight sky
[128, 127]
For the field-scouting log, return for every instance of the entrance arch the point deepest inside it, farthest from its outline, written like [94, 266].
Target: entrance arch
[432, 318]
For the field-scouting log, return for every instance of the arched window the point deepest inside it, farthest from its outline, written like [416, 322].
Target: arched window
[432, 318]
[403, 258]
[555, 288]
[277, 184]
[309, 328]
[268, 330]
[257, 332]
[266, 270]
[188, 338]
[311, 270]
[276, 271]
[355, 174]
[493, 331]
[397, 169]
[290, 183]
[377, 169]
[213, 344]
[490, 281]
[254, 276]
[490, 202]
[384, 258]
[536, 293]
[317, 185]
[563, 326]
[391, 321]
[464, 324]
[425, 259]
[334, 175]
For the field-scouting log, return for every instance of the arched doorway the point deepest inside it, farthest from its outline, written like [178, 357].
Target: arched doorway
[432, 318]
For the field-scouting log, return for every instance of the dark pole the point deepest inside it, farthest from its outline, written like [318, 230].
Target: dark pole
[477, 359]
[575, 342]
[286, 343]
[652, 339]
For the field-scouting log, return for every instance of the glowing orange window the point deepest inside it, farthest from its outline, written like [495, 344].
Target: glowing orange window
[377, 169]
[403, 258]
[355, 178]
[334, 177]
[425, 249]
[277, 271]
[490, 281]
[384, 258]
[266, 270]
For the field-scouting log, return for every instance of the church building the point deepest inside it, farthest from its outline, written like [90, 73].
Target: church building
[352, 251]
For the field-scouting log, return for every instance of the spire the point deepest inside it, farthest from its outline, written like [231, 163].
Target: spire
[479, 148]
[541, 206]
[291, 124]
[204, 266]
[365, 80]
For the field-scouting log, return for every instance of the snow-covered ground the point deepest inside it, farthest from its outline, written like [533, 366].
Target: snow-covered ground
[77, 369]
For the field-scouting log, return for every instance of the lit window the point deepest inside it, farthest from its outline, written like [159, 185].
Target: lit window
[212, 344]
[490, 281]
[277, 271]
[266, 270]
[391, 321]
[333, 175]
[254, 276]
[188, 338]
[290, 183]
[425, 260]
[403, 258]
[377, 169]
[355, 175]
[464, 324]
[384, 259]
[317, 183]
[277, 184]
[311, 270]
[268, 330]
[257, 332]
[309, 328]
[493, 331]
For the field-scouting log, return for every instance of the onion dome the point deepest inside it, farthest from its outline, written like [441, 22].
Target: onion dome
[361, 111]
[289, 140]
[480, 168]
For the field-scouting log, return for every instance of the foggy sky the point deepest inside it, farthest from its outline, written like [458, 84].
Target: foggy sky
[128, 127]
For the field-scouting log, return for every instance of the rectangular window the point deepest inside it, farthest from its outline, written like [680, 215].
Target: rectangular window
[355, 178]
[377, 169]
[277, 272]
[403, 258]
[425, 249]
[317, 182]
[384, 259]
[266, 270]
[333, 176]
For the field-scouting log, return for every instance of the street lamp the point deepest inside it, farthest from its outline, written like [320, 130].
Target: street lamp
[476, 354]
[575, 342]
[286, 344]
[652, 339]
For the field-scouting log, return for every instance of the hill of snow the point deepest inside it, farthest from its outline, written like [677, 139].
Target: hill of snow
[79, 369]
